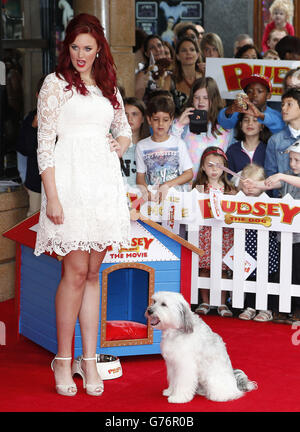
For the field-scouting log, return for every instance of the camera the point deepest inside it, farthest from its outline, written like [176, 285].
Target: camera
[198, 121]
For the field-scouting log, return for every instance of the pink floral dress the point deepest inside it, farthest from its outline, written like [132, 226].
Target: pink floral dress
[205, 241]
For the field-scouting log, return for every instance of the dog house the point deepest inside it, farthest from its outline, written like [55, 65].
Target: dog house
[156, 260]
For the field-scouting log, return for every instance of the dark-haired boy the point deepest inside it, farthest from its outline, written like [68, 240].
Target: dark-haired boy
[162, 159]
[258, 89]
[288, 48]
[277, 160]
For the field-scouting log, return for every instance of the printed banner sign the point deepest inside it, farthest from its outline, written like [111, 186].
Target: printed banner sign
[215, 197]
[228, 73]
[143, 247]
[250, 263]
[195, 208]
[263, 212]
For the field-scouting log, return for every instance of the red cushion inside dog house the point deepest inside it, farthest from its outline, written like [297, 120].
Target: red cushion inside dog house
[122, 330]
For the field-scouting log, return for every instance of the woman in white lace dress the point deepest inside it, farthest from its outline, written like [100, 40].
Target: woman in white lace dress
[82, 132]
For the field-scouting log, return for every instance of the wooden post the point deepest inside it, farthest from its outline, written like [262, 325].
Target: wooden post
[119, 26]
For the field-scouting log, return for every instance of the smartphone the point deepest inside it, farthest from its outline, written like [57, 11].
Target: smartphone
[198, 121]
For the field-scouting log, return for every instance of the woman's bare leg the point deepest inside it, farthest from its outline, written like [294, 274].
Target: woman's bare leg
[68, 302]
[89, 315]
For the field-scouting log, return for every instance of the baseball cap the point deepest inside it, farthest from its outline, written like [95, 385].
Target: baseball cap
[295, 147]
[256, 78]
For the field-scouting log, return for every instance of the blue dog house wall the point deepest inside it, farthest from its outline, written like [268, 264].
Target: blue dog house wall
[157, 260]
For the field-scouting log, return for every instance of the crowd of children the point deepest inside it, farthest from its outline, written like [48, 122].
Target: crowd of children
[252, 141]
[251, 138]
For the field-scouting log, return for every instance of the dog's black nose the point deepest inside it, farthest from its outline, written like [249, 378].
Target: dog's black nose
[149, 310]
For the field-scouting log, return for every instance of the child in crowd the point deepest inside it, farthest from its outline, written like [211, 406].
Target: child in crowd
[258, 89]
[274, 37]
[291, 80]
[277, 160]
[205, 96]
[135, 110]
[27, 145]
[251, 146]
[210, 176]
[162, 159]
[257, 173]
[288, 48]
[289, 183]
[271, 54]
[281, 13]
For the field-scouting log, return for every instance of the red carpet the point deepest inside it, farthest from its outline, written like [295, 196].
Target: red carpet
[264, 351]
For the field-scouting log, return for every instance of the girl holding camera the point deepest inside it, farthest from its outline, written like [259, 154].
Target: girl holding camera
[204, 96]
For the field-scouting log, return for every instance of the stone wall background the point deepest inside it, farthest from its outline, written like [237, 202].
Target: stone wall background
[228, 18]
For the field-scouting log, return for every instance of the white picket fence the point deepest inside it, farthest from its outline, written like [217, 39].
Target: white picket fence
[188, 204]
[238, 286]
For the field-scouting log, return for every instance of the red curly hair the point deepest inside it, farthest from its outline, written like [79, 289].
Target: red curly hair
[104, 66]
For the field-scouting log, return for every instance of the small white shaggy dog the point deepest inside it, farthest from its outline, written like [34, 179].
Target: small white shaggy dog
[196, 358]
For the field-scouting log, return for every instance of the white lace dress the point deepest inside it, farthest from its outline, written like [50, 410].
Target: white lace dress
[72, 137]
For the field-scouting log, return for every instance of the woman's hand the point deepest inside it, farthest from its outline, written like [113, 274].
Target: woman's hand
[113, 144]
[54, 211]
[184, 118]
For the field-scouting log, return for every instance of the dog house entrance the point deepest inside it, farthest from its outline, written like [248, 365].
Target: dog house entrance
[126, 292]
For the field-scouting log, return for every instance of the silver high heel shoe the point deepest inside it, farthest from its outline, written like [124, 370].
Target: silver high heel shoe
[64, 389]
[91, 389]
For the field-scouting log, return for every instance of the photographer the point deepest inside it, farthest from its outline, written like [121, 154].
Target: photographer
[197, 125]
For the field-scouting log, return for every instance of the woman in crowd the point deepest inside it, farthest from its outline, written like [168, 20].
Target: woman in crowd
[211, 46]
[153, 48]
[186, 70]
[248, 52]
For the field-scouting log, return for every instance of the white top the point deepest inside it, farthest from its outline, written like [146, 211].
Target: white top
[73, 137]
[162, 161]
[294, 132]
[250, 153]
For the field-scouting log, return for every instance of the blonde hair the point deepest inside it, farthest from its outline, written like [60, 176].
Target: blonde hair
[284, 5]
[214, 40]
[271, 51]
[254, 172]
